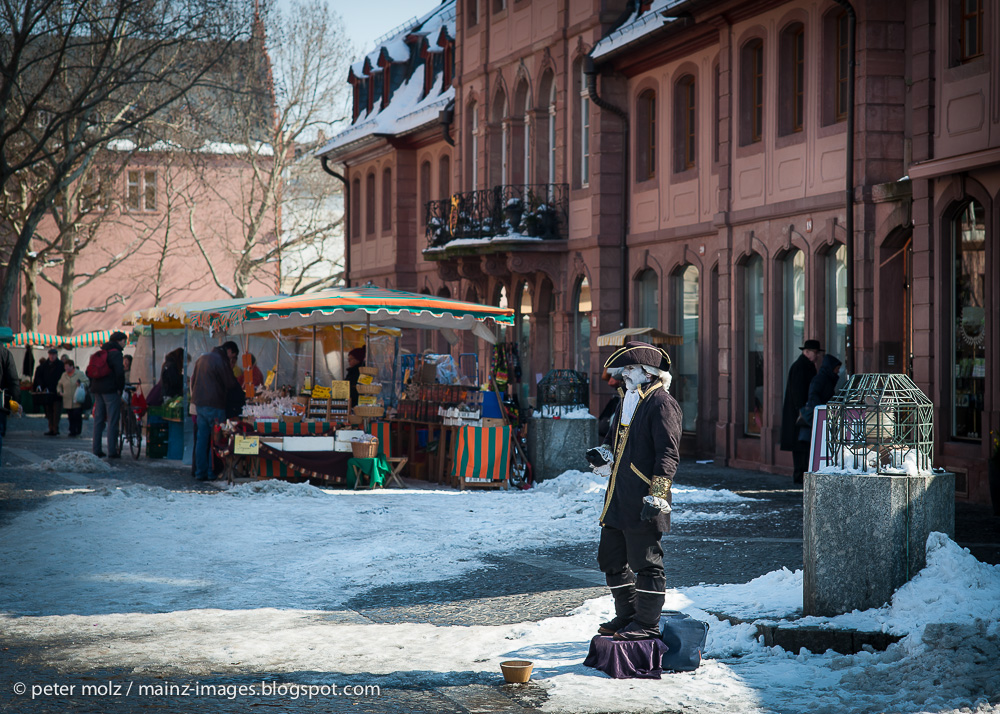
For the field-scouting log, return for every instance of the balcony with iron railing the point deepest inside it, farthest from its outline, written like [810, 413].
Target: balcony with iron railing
[493, 219]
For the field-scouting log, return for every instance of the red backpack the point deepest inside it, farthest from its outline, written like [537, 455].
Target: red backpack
[98, 366]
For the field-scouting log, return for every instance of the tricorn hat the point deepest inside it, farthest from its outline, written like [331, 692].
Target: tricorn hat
[811, 345]
[641, 353]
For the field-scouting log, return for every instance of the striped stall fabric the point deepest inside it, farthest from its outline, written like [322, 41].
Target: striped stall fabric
[37, 339]
[482, 455]
[381, 430]
[90, 339]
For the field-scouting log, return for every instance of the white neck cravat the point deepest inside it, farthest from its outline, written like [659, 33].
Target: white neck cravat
[629, 403]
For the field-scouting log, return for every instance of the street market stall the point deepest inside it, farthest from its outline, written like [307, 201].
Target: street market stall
[467, 451]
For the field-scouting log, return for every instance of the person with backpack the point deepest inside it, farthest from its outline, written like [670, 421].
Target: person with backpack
[107, 380]
[8, 379]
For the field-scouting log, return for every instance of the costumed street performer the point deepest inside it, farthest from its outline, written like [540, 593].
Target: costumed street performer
[640, 456]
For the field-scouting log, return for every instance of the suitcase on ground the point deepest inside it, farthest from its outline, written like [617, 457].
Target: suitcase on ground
[685, 639]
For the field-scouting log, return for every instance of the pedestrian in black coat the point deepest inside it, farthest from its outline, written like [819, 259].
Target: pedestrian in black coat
[821, 388]
[796, 395]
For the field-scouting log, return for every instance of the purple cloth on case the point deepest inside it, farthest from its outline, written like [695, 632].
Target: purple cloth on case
[638, 659]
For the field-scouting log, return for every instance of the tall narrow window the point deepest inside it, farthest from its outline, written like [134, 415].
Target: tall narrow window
[444, 177]
[524, 335]
[472, 160]
[386, 200]
[716, 138]
[526, 149]
[370, 204]
[648, 299]
[504, 144]
[584, 130]
[836, 302]
[791, 80]
[970, 34]
[645, 136]
[843, 66]
[969, 320]
[753, 301]
[684, 124]
[425, 190]
[685, 384]
[355, 216]
[472, 13]
[581, 320]
[552, 134]
[752, 92]
[794, 305]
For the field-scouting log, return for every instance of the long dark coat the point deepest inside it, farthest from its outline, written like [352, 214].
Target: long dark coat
[796, 395]
[649, 446]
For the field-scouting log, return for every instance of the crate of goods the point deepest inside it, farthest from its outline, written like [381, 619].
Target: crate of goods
[156, 441]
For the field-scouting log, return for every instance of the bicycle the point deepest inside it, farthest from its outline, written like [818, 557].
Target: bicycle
[129, 428]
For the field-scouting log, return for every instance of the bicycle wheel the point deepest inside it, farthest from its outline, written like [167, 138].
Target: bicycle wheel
[134, 436]
[122, 428]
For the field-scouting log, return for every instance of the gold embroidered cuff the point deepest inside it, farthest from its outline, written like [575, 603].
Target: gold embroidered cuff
[660, 487]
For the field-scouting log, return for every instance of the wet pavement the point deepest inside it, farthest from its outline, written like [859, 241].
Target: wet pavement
[525, 585]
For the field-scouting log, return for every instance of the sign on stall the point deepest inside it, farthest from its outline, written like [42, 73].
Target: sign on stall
[246, 445]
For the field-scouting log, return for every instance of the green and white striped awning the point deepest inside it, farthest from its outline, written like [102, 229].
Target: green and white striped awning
[40, 339]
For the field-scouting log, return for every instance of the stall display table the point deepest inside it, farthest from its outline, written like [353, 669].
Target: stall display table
[299, 428]
[370, 472]
[290, 464]
[481, 457]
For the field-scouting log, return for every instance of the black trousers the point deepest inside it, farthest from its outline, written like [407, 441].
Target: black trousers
[632, 556]
[800, 461]
[75, 417]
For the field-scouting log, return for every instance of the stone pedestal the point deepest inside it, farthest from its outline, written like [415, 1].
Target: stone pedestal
[866, 535]
[557, 445]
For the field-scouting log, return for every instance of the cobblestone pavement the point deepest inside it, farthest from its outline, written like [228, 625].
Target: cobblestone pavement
[520, 586]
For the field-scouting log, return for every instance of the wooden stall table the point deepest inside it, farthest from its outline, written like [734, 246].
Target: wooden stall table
[373, 471]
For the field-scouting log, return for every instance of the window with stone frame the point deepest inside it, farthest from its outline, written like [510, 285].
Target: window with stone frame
[645, 135]
[355, 209]
[685, 124]
[969, 17]
[386, 200]
[791, 79]
[752, 92]
[370, 204]
[140, 191]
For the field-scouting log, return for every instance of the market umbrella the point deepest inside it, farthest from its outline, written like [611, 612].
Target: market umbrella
[642, 334]
[380, 306]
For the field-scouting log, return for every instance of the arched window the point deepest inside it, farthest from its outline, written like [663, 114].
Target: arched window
[791, 79]
[685, 367]
[444, 177]
[520, 138]
[356, 209]
[548, 138]
[794, 305]
[836, 302]
[386, 200]
[684, 124]
[648, 299]
[472, 155]
[969, 320]
[645, 136]
[581, 325]
[425, 190]
[370, 204]
[836, 67]
[498, 140]
[753, 302]
[524, 334]
[752, 92]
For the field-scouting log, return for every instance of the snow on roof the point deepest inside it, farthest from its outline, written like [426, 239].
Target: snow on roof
[209, 147]
[637, 26]
[394, 43]
[405, 112]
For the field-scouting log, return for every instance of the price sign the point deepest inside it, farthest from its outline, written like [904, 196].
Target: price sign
[246, 445]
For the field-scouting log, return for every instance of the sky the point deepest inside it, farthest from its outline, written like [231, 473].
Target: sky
[181, 595]
[367, 20]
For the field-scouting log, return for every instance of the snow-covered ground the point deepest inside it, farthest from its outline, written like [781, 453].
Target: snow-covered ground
[254, 580]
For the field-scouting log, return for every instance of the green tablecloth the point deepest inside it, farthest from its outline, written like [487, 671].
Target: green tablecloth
[377, 470]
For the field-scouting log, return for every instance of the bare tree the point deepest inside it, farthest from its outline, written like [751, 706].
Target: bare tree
[75, 74]
[308, 50]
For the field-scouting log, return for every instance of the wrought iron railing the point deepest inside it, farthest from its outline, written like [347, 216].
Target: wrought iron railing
[532, 211]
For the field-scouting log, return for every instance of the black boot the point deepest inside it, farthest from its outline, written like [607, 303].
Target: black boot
[624, 610]
[646, 623]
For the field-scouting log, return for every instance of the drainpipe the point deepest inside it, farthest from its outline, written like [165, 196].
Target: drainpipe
[852, 23]
[347, 220]
[445, 118]
[590, 70]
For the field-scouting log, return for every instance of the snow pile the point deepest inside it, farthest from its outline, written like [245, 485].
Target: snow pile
[77, 462]
[870, 461]
[549, 411]
[275, 489]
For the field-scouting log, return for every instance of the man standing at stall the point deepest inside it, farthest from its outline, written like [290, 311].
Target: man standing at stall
[211, 382]
[640, 455]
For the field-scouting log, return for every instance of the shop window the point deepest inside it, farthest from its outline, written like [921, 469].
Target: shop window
[836, 302]
[685, 356]
[648, 299]
[645, 136]
[794, 305]
[386, 200]
[581, 321]
[969, 320]
[791, 80]
[753, 302]
[752, 92]
[684, 124]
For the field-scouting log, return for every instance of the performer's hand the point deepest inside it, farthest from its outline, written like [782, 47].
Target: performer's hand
[599, 455]
[604, 470]
[653, 506]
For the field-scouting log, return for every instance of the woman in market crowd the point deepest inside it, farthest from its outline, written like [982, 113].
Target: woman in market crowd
[127, 362]
[355, 359]
[255, 374]
[69, 384]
